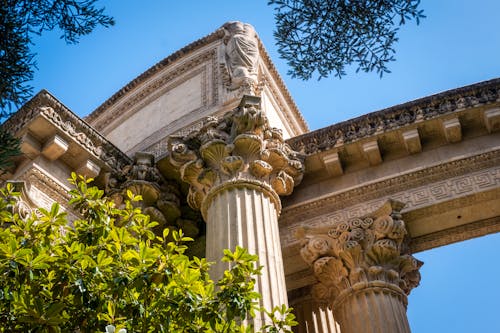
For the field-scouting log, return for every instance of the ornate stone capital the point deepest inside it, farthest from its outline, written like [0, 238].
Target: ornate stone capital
[368, 252]
[21, 204]
[160, 197]
[240, 149]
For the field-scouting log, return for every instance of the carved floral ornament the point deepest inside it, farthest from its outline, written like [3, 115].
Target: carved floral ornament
[239, 149]
[160, 198]
[368, 252]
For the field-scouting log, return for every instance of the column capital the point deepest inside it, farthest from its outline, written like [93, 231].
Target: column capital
[239, 149]
[160, 197]
[361, 253]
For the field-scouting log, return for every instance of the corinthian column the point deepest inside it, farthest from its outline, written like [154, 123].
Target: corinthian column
[364, 270]
[237, 167]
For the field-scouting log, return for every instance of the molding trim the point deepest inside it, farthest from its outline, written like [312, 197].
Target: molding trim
[451, 101]
[417, 189]
[132, 102]
[45, 105]
[152, 71]
[455, 235]
[54, 190]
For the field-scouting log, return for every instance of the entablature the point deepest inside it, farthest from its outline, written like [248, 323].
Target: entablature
[53, 136]
[440, 155]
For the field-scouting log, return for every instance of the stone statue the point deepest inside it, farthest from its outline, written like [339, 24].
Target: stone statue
[241, 53]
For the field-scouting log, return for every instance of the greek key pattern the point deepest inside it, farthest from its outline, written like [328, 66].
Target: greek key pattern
[418, 197]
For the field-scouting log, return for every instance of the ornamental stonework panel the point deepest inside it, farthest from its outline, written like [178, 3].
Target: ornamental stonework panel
[415, 198]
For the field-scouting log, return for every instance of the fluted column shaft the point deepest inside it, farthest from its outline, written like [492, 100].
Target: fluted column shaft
[246, 216]
[237, 166]
[313, 318]
[373, 310]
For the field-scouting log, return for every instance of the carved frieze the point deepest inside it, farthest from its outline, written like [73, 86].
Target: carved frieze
[22, 204]
[366, 252]
[238, 147]
[418, 189]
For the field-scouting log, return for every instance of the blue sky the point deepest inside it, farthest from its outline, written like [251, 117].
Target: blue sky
[456, 45]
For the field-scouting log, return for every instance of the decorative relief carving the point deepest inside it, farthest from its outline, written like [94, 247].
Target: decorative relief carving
[46, 105]
[415, 197]
[238, 147]
[160, 197]
[402, 183]
[36, 178]
[22, 204]
[160, 148]
[398, 116]
[160, 66]
[41, 190]
[241, 57]
[69, 128]
[370, 251]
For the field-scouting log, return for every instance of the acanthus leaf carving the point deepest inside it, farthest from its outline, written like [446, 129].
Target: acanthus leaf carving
[354, 254]
[239, 146]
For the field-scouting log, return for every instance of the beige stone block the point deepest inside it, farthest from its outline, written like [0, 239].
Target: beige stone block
[333, 164]
[371, 152]
[30, 146]
[411, 139]
[492, 119]
[452, 130]
[89, 169]
[55, 148]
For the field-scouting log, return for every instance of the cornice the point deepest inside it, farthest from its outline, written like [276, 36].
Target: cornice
[456, 234]
[46, 105]
[387, 187]
[52, 188]
[478, 94]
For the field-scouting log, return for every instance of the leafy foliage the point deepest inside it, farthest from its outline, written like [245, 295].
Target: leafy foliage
[325, 36]
[19, 21]
[9, 148]
[109, 272]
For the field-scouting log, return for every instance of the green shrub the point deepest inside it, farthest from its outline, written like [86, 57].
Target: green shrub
[108, 271]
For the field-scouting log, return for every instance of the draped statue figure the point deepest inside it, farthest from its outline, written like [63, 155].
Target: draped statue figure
[241, 53]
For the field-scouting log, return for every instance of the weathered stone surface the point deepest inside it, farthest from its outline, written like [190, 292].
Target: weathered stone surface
[439, 154]
[361, 265]
[237, 166]
[239, 148]
[54, 147]
[241, 55]
[452, 130]
[412, 141]
[492, 119]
